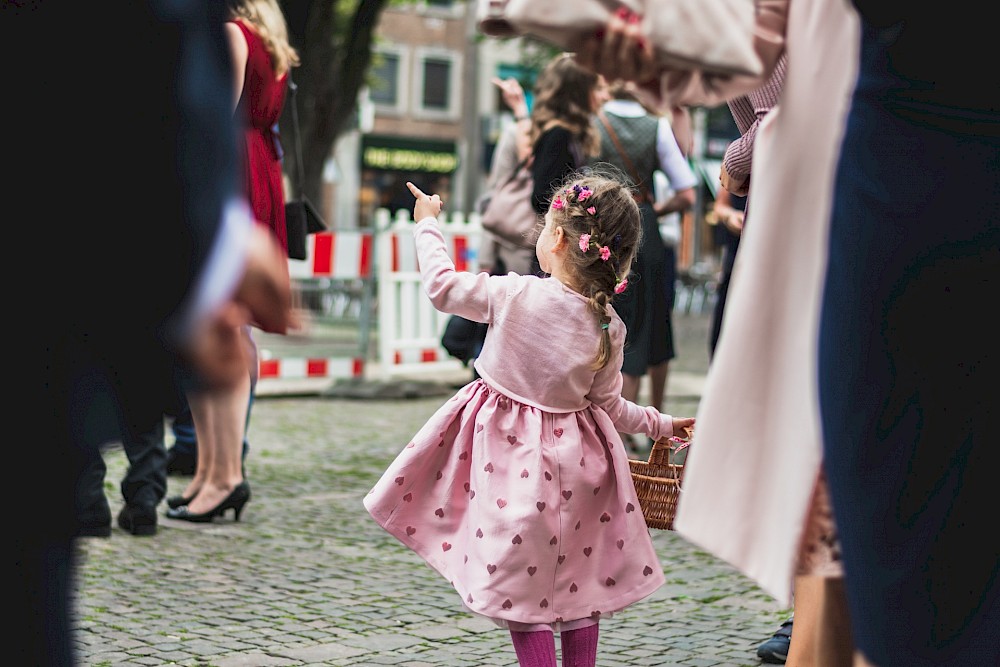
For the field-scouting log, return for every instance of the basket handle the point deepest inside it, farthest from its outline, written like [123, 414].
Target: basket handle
[658, 449]
[663, 448]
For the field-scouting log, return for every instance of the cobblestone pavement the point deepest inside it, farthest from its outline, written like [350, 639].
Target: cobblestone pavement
[307, 578]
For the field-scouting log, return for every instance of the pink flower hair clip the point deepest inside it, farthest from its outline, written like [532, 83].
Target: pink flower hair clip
[586, 244]
[558, 204]
[621, 285]
[582, 193]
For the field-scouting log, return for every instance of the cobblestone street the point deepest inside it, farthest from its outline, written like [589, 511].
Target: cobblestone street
[307, 578]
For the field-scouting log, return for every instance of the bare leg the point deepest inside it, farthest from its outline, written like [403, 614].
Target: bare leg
[630, 386]
[822, 634]
[861, 661]
[220, 421]
[199, 403]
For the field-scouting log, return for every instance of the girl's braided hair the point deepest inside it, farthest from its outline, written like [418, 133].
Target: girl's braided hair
[601, 222]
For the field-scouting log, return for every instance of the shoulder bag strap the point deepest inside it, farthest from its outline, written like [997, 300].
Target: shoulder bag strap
[643, 189]
[516, 170]
[299, 168]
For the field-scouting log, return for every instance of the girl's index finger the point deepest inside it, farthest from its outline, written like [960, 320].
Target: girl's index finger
[415, 190]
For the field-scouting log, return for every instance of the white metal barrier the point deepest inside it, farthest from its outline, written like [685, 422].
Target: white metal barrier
[347, 258]
[409, 327]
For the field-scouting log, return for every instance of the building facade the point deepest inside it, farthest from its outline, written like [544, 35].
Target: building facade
[431, 114]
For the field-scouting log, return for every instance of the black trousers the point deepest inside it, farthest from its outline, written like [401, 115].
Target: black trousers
[145, 482]
[722, 291]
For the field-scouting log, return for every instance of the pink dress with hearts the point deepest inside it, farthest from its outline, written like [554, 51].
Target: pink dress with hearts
[518, 490]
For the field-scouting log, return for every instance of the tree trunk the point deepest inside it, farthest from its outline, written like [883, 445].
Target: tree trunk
[334, 39]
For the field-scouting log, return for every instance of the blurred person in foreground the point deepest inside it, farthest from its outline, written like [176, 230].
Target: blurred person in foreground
[730, 207]
[891, 229]
[164, 259]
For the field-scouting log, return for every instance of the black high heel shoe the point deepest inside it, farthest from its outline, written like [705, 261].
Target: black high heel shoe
[235, 501]
[173, 502]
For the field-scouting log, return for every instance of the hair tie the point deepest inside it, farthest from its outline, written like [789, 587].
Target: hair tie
[604, 326]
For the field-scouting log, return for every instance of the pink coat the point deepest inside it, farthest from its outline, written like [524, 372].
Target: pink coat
[756, 455]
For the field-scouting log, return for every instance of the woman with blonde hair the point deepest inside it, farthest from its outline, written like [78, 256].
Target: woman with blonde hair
[262, 59]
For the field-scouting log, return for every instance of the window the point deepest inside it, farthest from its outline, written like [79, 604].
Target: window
[436, 86]
[436, 83]
[386, 91]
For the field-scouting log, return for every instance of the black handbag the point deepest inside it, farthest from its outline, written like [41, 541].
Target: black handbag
[301, 217]
[463, 338]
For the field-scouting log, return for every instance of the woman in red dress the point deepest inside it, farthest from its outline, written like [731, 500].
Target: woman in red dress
[262, 59]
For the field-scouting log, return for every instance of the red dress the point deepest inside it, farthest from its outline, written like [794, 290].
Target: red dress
[259, 109]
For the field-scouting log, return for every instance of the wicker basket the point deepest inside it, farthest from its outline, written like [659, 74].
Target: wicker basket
[658, 482]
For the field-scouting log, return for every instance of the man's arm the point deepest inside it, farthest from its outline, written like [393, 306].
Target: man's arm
[748, 112]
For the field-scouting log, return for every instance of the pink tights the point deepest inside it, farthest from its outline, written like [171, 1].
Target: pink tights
[579, 647]
[534, 649]
[538, 649]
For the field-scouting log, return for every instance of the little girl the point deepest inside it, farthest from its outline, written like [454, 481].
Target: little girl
[518, 489]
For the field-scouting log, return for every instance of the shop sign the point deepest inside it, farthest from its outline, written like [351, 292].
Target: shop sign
[396, 154]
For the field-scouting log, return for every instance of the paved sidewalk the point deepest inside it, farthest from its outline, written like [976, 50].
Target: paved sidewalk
[307, 578]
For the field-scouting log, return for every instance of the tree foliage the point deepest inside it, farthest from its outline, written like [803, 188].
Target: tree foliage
[335, 40]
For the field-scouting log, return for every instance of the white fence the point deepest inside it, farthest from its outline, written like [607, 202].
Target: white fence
[409, 327]
[386, 298]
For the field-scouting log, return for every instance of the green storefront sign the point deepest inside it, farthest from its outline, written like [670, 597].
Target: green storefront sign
[398, 154]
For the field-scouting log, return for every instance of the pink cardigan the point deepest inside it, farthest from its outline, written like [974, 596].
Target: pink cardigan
[542, 338]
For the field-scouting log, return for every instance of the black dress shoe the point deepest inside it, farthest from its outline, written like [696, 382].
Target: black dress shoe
[235, 501]
[139, 520]
[173, 502]
[94, 520]
[94, 529]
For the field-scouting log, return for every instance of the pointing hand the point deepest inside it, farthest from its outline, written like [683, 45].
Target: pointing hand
[426, 205]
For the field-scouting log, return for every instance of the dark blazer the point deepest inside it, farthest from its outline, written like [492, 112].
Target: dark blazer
[121, 154]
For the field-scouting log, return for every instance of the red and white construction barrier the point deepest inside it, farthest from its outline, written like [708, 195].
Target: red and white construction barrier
[300, 369]
[342, 255]
[409, 327]
[336, 255]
